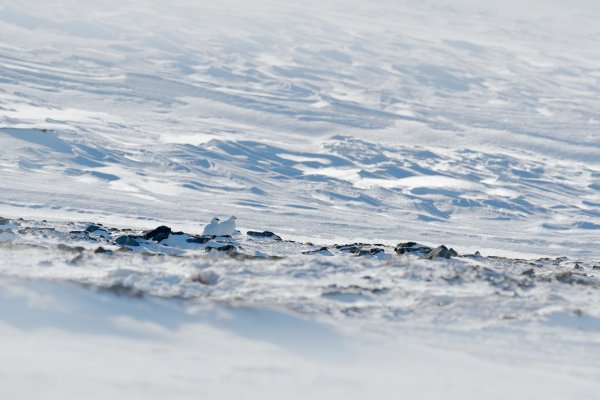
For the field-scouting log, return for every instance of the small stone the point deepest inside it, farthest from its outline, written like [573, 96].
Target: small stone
[158, 234]
[349, 248]
[440, 252]
[370, 252]
[64, 247]
[565, 277]
[227, 247]
[264, 234]
[120, 289]
[529, 272]
[127, 240]
[199, 239]
[324, 251]
[92, 228]
[76, 259]
[411, 247]
[102, 250]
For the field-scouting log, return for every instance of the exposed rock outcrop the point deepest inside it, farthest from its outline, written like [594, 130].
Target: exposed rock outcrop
[440, 252]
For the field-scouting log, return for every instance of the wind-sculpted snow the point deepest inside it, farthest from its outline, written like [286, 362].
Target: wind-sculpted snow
[357, 121]
[410, 282]
[364, 182]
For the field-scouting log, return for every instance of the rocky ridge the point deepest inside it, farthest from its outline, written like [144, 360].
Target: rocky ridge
[347, 279]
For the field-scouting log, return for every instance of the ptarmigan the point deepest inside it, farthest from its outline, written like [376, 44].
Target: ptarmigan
[212, 228]
[227, 227]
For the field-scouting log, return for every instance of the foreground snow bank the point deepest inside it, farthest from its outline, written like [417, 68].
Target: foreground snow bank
[62, 341]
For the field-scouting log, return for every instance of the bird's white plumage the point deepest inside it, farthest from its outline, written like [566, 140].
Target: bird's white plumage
[227, 227]
[212, 228]
[217, 228]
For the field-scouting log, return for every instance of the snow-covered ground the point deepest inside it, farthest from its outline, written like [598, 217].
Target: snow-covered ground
[441, 122]
[62, 341]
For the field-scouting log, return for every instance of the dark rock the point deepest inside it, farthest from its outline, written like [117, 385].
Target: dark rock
[158, 234]
[127, 240]
[407, 245]
[572, 279]
[336, 290]
[349, 248]
[76, 259]
[119, 289]
[76, 249]
[4, 221]
[440, 252]
[529, 272]
[102, 250]
[199, 239]
[244, 257]
[92, 228]
[411, 247]
[227, 247]
[339, 246]
[565, 277]
[376, 250]
[379, 290]
[264, 234]
[370, 252]
[322, 250]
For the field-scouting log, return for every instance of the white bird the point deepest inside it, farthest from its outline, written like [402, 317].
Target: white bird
[227, 227]
[212, 228]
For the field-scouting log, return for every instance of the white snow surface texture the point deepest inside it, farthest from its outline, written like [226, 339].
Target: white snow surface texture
[468, 123]
[452, 122]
